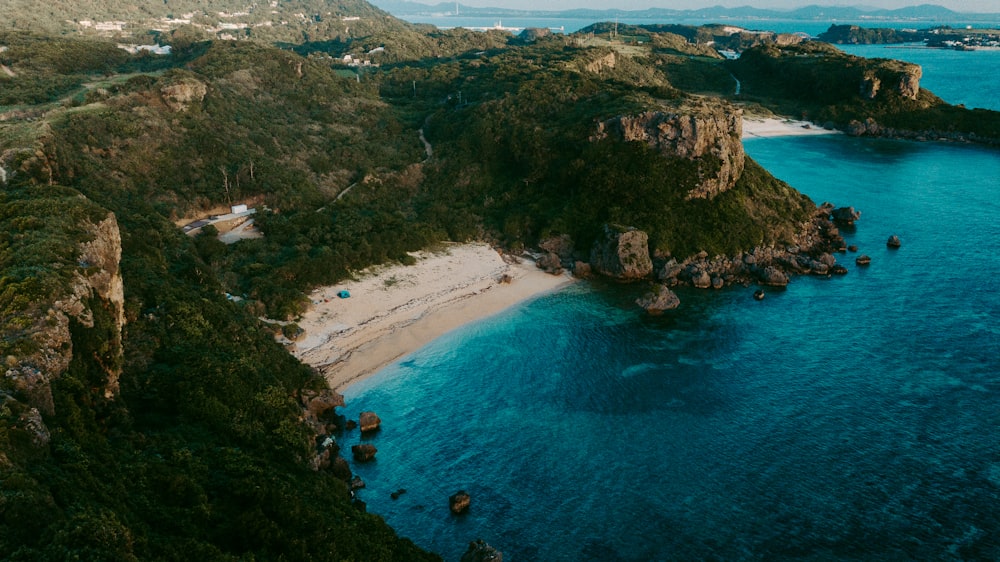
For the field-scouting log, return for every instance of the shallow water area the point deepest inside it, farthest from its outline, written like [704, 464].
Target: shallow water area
[845, 417]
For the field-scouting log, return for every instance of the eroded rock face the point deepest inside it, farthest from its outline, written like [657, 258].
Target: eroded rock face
[709, 135]
[364, 452]
[659, 300]
[904, 79]
[96, 290]
[369, 421]
[181, 94]
[870, 85]
[909, 81]
[319, 409]
[622, 253]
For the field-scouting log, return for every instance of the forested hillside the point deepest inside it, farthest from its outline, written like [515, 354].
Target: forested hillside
[147, 411]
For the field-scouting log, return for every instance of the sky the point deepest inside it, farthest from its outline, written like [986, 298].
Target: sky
[968, 6]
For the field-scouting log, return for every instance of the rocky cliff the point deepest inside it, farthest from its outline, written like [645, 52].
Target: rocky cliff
[903, 78]
[87, 305]
[707, 134]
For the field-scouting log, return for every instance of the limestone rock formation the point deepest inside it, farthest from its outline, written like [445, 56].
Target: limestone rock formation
[534, 33]
[459, 502]
[659, 300]
[369, 421]
[479, 551]
[364, 452]
[561, 246]
[622, 253]
[903, 78]
[95, 300]
[181, 94]
[845, 215]
[709, 135]
[550, 263]
[893, 242]
[607, 61]
[318, 408]
[773, 277]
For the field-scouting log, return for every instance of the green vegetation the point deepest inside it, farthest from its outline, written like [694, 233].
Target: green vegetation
[202, 453]
[821, 83]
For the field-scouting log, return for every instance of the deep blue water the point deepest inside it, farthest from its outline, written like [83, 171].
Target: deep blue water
[848, 418]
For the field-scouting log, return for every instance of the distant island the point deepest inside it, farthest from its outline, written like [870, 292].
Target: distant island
[921, 13]
[963, 39]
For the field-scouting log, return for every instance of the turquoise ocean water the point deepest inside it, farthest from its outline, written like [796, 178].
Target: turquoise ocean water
[848, 418]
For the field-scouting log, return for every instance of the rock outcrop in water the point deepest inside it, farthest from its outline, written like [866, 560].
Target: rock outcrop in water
[479, 551]
[659, 300]
[459, 502]
[369, 422]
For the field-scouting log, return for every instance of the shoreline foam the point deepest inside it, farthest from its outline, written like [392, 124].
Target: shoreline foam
[395, 310]
[767, 127]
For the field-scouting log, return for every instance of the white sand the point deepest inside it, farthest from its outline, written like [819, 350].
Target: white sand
[395, 310]
[759, 127]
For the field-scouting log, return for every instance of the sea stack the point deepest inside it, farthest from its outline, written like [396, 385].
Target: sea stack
[459, 502]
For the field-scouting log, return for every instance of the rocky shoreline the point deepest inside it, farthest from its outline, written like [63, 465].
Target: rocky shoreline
[623, 254]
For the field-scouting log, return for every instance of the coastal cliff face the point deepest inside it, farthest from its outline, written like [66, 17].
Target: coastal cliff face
[904, 79]
[622, 253]
[708, 135]
[89, 307]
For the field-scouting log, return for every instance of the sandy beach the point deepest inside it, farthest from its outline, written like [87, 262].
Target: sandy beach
[395, 310]
[759, 127]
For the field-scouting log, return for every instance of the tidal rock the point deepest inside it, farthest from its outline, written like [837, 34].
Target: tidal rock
[893, 242]
[364, 452]
[622, 253]
[845, 215]
[838, 269]
[758, 294]
[459, 502]
[479, 551]
[863, 260]
[395, 495]
[350, 424]
[357, 483]
[852, 248]
[582, 270]
[658, 300]
[369, 422]
[773, 276]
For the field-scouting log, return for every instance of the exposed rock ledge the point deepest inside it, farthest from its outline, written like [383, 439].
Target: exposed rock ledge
[708, 134]
[94, 299]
